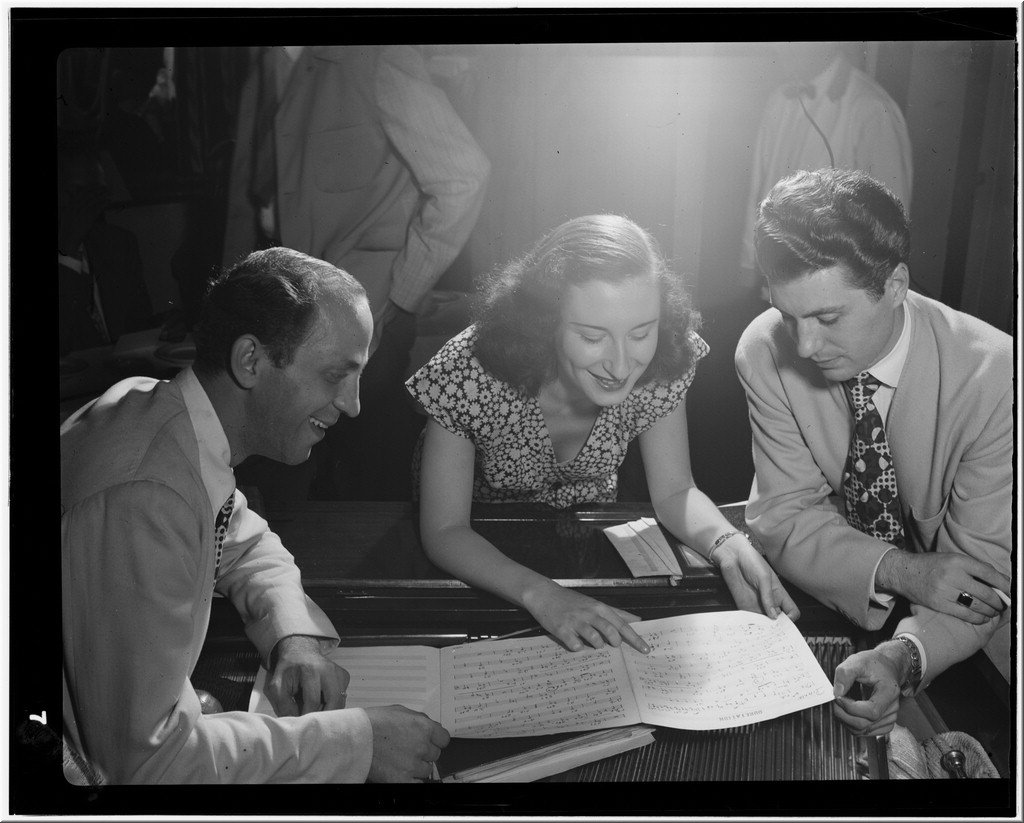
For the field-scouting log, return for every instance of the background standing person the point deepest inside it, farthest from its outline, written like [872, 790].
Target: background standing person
[353, 155]
[101, 293]
[828, 114]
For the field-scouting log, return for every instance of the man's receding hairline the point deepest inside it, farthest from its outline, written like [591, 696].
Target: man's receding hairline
[348, 300]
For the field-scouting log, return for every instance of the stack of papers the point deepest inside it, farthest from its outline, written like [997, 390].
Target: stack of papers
[644, 548]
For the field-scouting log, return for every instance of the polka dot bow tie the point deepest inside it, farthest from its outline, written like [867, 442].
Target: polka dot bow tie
[869, 478]
[220, 530]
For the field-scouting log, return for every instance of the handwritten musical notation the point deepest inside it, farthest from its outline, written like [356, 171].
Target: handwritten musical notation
[710, 671]
[533, 686]
[705, 671]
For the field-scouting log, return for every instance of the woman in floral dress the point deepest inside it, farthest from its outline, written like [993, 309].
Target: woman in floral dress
[584, 344]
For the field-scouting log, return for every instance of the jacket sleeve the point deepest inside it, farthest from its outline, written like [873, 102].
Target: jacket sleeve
[133, 626]
[264, 584]
[977, 521]
[448, 166]
[793, 509]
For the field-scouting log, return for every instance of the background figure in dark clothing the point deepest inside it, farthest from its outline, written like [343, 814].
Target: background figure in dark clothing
[101, 293]
[353, 155]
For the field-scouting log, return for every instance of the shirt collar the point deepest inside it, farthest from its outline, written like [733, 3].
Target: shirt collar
[888, 369]
[214, 450]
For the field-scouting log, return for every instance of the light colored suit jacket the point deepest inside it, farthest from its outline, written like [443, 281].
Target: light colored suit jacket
[950, 428]
[376, 173]
[142, 476]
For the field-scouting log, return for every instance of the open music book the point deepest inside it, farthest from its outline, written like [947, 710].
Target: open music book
[705, 671]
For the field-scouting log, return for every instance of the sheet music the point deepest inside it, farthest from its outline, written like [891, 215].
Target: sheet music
[380, 676]
[723, 669]
[532, 686]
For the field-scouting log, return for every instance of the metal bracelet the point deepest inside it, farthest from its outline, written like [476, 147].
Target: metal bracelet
[719, 541]
[909, 686]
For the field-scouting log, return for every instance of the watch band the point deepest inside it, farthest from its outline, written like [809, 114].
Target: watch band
[913, 680]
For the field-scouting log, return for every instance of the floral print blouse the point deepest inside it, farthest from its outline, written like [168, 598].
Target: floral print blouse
[515, 461]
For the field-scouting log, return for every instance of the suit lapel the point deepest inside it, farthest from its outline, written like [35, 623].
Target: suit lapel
[912, 424]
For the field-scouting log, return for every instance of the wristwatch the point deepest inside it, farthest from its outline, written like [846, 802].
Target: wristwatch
[913, 679]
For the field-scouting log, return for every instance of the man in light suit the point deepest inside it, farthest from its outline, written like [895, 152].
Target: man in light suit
[882, 439]
[353, 155]
[152, 526]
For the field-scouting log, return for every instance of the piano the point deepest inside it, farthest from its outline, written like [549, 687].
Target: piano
[362, 563]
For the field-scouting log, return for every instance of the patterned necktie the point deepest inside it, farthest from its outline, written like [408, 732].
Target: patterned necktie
[869, 478]
[220, 530]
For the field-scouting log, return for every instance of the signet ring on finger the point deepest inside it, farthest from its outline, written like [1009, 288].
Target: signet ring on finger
[965, 599]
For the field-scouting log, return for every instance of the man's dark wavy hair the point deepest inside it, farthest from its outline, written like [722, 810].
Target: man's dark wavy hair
[272, 294]
[517, 311]
[815, 220]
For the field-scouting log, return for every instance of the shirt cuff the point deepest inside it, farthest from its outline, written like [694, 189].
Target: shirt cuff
[881, 598]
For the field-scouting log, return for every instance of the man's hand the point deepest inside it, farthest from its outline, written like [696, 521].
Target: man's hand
[880, 672]
[406, 744]
[302, 680]
[752, 583]
[935, 580]
[574, 619]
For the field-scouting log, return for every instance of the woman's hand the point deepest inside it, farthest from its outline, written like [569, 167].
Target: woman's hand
[752, 583]
[574, 619]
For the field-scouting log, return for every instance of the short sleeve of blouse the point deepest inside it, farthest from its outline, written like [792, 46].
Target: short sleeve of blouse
[648, 403]
[453, 387]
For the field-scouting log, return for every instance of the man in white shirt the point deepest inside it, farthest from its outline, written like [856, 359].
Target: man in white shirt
[152, 525]
[830, 114]
[882, 439]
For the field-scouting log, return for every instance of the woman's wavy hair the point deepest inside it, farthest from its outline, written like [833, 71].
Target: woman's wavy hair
[815, 220]
[517, 311]
[272, 294]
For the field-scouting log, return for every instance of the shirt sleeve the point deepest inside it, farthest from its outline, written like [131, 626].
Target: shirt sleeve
[453, 388]
[449, 168]
[652, 401]
[883, 149]
[977, 522]
[131, 623]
